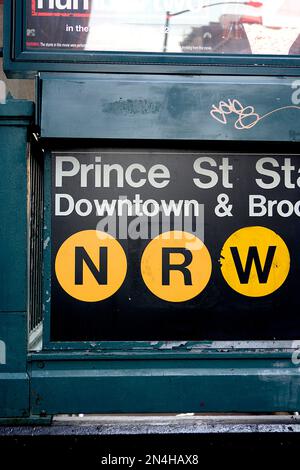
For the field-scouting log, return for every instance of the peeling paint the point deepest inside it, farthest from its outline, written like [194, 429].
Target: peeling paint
[132, 107]
[46, 243]
[172, 344]
[2, 353]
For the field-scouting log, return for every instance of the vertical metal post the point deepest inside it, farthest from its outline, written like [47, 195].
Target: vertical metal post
[15, 117]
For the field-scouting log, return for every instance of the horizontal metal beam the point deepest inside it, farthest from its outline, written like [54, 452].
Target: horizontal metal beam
[164, 386]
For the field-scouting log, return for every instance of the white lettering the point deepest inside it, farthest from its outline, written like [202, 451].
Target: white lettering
[135, 167]
[102, 175]
[151, 208]
[280, 208]
[58, 200]
[63, 4]
[225, 168]
[83, 207]
[60, 173]
[257, 202]
[159, 172]
[296, 93]
[259, 206]
[286, 174]
[269, 173]
[213, 177]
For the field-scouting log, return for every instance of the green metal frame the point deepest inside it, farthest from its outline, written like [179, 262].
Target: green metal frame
[119, 377]
[21, 63]
[165, 108]
[114, 377]
[78, 382]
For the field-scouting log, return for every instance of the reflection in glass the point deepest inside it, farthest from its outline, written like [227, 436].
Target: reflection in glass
[165, 26]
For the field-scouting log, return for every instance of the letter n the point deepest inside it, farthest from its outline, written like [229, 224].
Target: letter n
[99, 273]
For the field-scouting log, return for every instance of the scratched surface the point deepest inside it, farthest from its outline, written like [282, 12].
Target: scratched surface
[170, 107]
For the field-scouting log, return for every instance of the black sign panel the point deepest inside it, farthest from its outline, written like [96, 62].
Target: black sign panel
[155, 245]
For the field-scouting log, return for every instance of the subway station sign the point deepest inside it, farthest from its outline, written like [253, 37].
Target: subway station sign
[164, 26]
[174, 245]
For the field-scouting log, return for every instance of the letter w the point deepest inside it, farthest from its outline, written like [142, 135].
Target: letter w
[253, 257]
[105, 207]
[100, 274]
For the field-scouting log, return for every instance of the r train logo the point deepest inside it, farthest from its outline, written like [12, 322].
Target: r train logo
[79, 8]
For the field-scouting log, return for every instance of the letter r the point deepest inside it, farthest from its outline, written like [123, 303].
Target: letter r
[167, 267]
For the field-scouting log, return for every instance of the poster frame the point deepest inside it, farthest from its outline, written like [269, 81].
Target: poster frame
[26, 64]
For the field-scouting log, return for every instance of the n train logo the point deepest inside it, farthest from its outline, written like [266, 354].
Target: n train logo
[79, 8]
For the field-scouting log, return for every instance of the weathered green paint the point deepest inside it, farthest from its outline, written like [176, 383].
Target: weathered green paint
[153, 386]
[14, 394]
[31, 421]
[154, 377]
[126, 377]
[13, 333]
[15, 117]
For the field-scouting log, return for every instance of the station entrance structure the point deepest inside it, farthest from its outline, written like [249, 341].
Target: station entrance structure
[150, 204]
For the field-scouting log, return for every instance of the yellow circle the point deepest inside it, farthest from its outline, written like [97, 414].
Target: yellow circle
[91, 266]
[255, 261]
[176, 266]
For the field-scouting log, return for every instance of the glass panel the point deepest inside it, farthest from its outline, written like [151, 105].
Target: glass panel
[168, 26]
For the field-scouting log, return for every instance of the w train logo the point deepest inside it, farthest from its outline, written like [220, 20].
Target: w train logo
[61, 7]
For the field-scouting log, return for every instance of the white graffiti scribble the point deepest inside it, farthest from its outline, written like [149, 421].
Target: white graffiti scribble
[247, 117]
